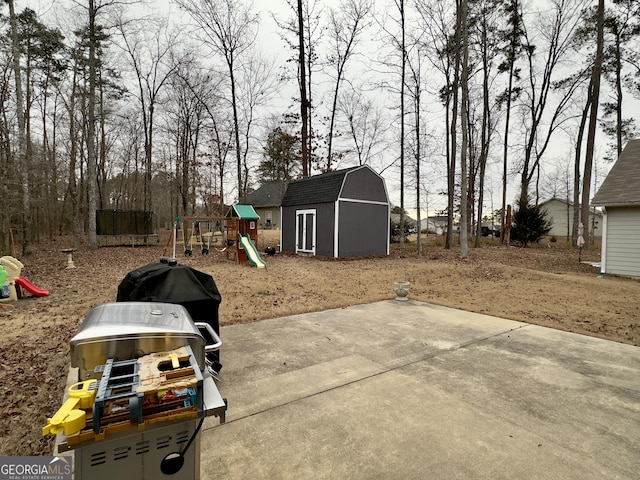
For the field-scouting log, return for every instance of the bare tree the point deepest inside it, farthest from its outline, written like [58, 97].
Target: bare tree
[229, 28]
[593, 120]
[187, 95]
[7, 167]
[622, 26]
[577, 162]
[304, 102]
[455, 94]
[346, 26]
[70, 104]
[484, 27]
[363, 120]
[23, 141]
[415, 90]
[91, 129]
[442, 44]
[258, 84]
[94, 31]
[400, 46]
[556, 29]
[153, 63]
[194, 90]
[464, 81]
[512, 35]
[42, 49]
[306, 28]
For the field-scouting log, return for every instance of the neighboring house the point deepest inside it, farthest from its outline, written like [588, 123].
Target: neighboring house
[619, 196]
[409, 222]
[438, 223]
[560, 213]
[338, 214]
[266, 202]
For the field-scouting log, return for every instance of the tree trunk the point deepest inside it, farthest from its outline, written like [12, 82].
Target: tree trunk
[332, 121]
[74, 141]
[418, 154]
[576, 169]
[593, 121]
[402, 82]
[505, 150]
[91, 129]
[485, 137]
[22, 157]
[236, 126]
[451, 175]
[464, 247]
[618, 96]
[451, 181]
[310, 132]
[302, 80]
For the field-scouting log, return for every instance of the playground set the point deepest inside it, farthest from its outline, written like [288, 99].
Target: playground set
[235, 235]
[12, 284]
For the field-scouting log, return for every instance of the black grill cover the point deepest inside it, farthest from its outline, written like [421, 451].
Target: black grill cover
[173, 283]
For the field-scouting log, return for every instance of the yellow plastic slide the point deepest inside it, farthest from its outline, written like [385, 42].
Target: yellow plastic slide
[252, 254]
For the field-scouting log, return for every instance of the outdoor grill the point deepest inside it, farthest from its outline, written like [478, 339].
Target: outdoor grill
[145, 363]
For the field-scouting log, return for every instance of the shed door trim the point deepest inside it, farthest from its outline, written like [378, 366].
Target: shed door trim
[306, 231]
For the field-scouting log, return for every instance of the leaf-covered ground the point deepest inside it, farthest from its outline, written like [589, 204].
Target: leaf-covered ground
[544, 284]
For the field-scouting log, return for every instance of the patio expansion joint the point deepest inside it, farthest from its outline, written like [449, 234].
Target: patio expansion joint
[393, 366]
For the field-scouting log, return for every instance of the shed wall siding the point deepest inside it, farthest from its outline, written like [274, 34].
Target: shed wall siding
[363, 229]
[364, 184]
[324, 227]
[623, 241]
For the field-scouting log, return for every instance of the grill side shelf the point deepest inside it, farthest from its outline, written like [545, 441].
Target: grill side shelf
[153, 389]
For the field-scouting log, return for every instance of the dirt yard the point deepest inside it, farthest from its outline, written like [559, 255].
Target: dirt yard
[544, 285]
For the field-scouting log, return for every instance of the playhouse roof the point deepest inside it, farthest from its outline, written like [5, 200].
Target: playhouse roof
[243, 212]
[317, 189]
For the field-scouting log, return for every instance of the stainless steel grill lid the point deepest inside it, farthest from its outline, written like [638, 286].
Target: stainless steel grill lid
[128, 330]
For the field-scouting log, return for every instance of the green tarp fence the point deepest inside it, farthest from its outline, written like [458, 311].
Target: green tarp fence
[124, 222]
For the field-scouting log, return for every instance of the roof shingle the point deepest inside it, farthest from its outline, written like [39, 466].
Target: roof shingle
[621, 187]
[268, 195]
[317, 189]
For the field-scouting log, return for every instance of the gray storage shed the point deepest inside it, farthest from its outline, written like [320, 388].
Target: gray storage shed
[337, 214]
[619, 197]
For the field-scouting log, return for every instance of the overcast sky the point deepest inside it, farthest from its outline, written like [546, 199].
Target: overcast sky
[270, 43]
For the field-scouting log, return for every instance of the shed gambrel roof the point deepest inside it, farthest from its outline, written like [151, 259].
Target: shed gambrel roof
[621, 187]
[317, 189]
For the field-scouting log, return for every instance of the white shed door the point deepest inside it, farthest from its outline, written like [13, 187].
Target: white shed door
[306, 231]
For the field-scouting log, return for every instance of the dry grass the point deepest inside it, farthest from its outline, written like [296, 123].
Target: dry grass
[540, 285]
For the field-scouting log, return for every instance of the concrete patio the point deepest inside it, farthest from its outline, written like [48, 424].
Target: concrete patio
[409, 390]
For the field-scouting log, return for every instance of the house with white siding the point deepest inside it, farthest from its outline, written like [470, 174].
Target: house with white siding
[266, 202]
[619, 197]
[560, 213]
